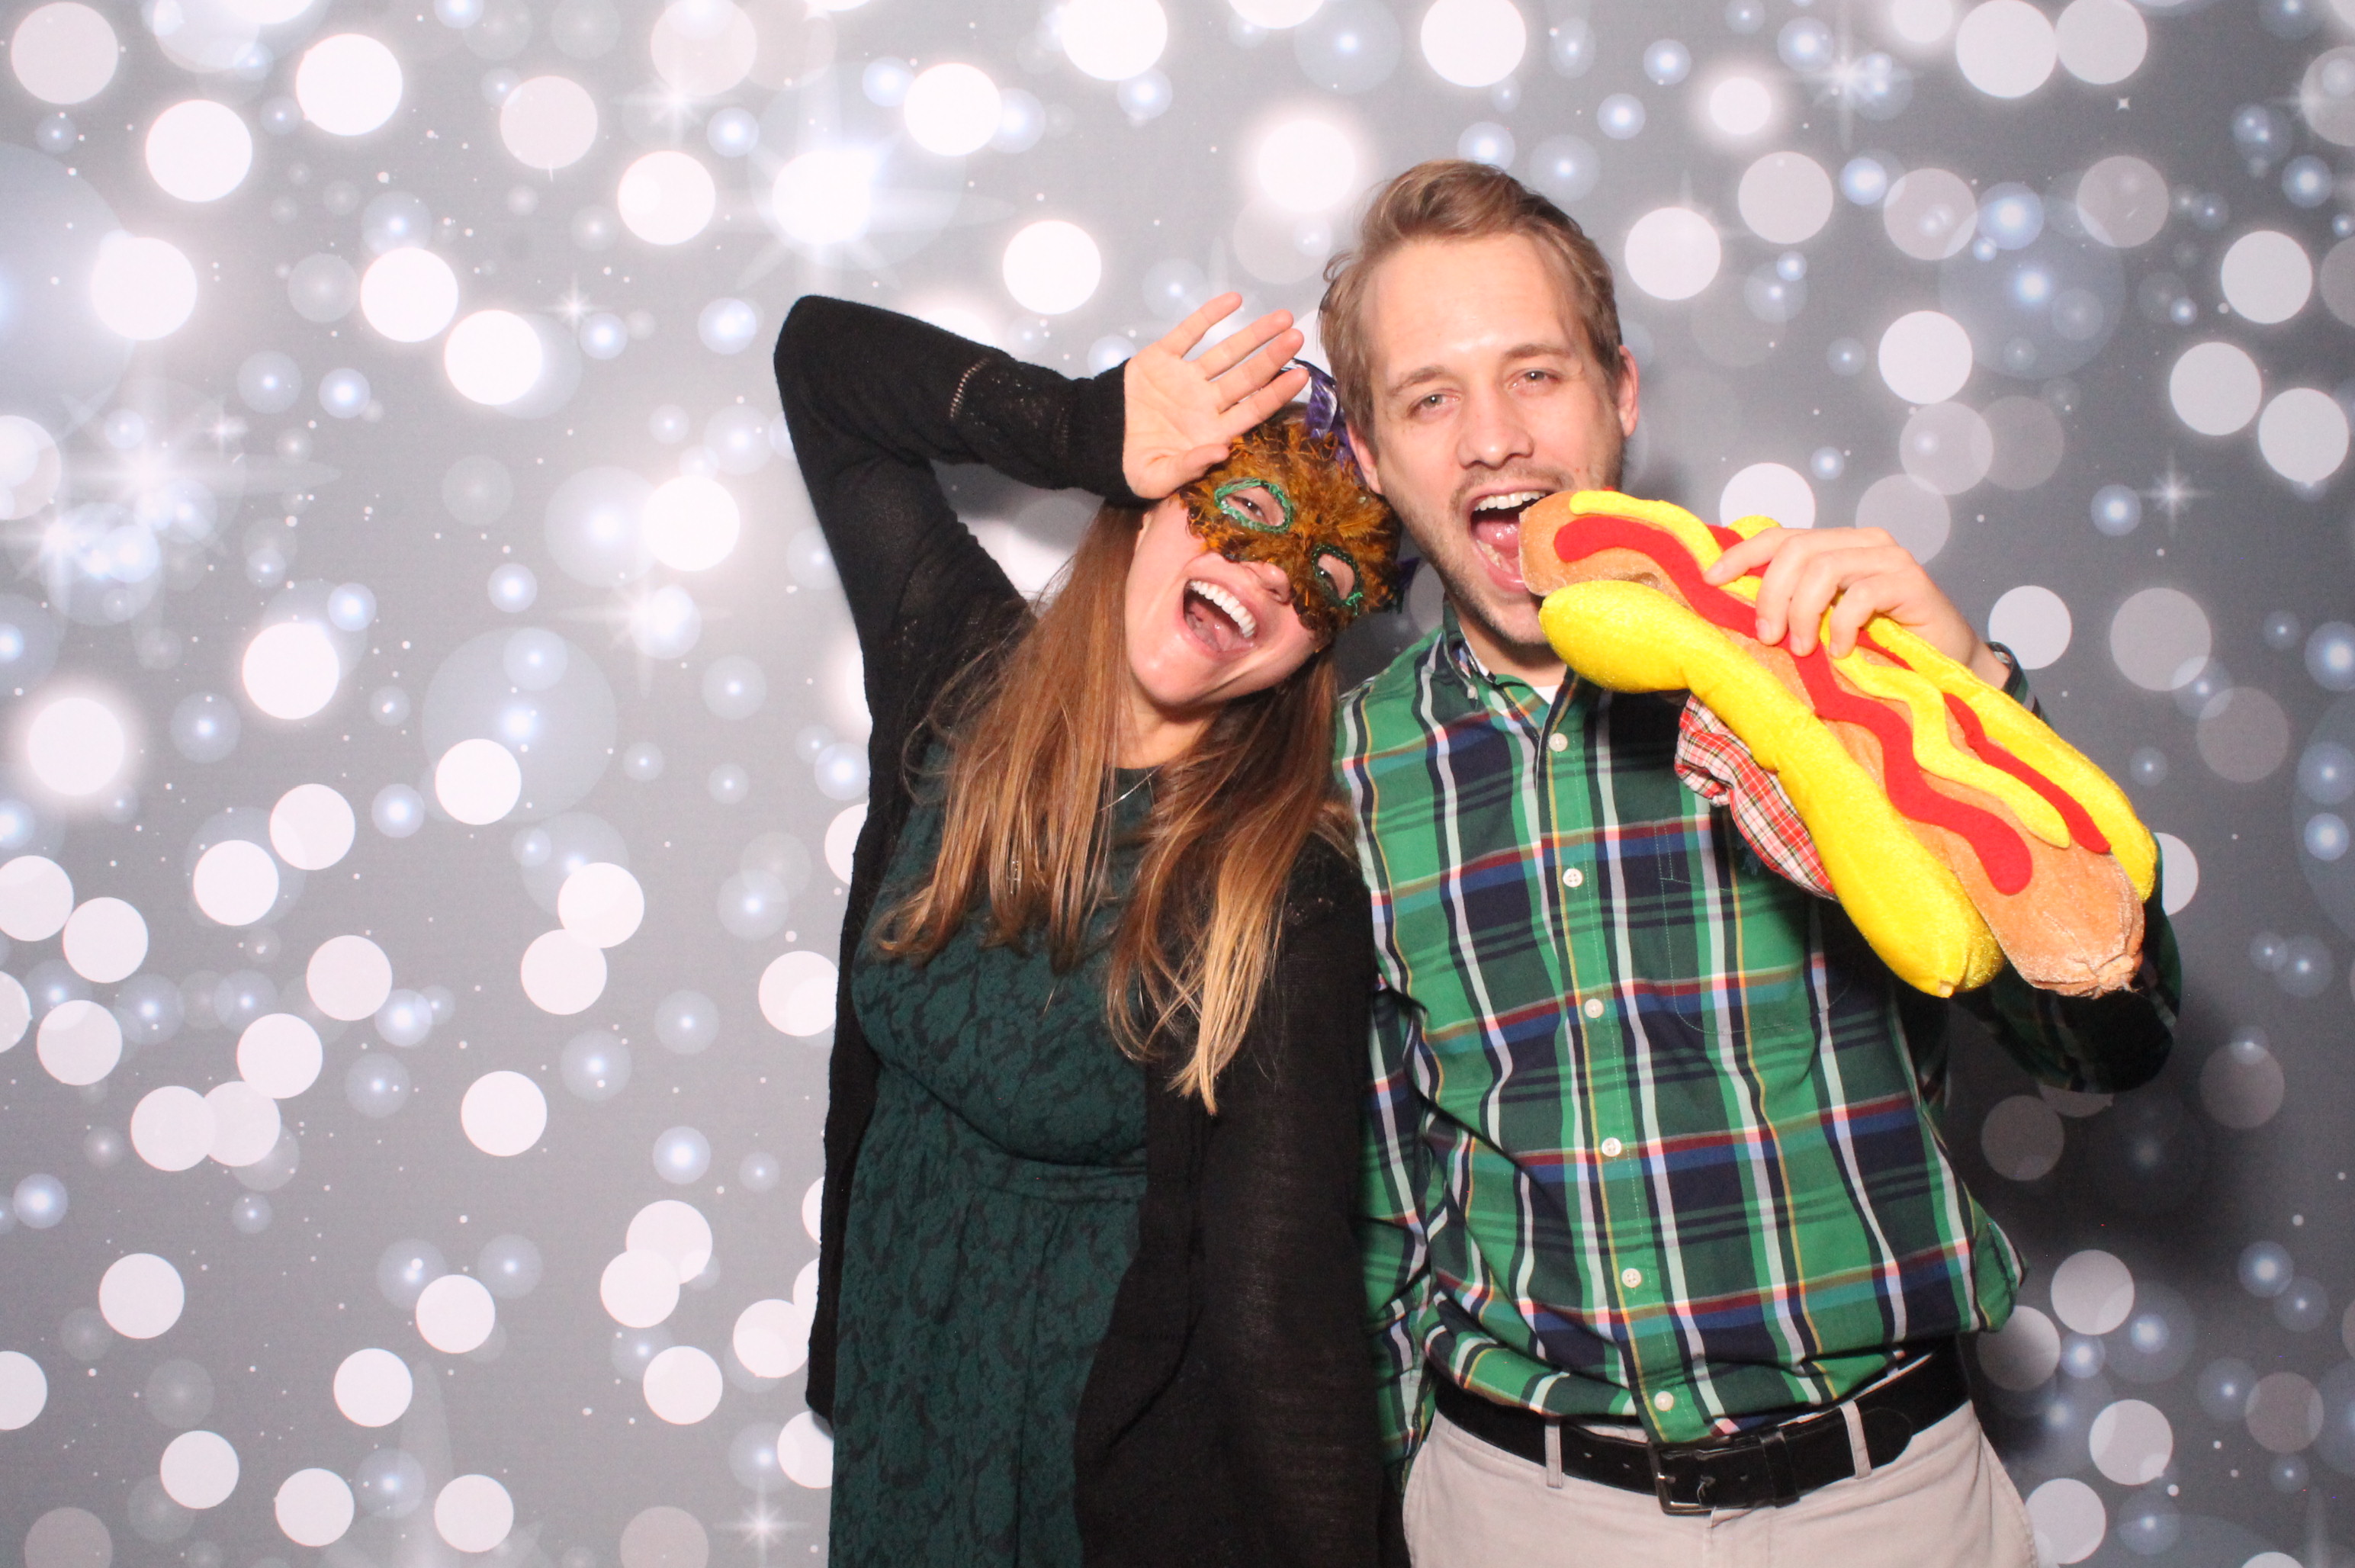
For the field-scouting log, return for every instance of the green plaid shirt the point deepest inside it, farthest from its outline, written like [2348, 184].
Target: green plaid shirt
[1652, 1132]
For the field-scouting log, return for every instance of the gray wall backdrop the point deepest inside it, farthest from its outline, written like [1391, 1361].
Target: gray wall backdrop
[432, 730]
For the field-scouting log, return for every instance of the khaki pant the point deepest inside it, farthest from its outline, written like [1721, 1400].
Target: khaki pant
[1945, 1502]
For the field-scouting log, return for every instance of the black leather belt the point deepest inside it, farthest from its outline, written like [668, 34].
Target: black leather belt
[1771, 1466]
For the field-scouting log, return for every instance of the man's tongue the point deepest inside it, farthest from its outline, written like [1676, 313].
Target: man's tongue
[1500, 538]
[1212, 626]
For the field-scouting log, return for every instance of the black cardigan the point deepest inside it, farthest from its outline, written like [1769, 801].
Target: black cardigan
[1229, 1413]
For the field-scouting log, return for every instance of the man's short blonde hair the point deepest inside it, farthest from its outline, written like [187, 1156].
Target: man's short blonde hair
[1451, 198]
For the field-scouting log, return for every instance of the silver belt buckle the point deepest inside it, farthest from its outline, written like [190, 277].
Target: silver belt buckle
[1664, 1487]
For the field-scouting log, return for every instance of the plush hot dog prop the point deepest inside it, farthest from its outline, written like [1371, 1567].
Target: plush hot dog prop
[1957, 828]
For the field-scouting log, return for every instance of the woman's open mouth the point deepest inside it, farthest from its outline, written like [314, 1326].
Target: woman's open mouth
[1218, 620]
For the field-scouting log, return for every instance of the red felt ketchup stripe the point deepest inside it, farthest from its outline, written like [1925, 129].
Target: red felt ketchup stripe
[2080, 826]
[1990, 751]
[2000, 851]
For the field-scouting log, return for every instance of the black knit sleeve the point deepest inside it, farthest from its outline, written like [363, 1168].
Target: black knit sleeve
[1279, 1198]
[873, 399]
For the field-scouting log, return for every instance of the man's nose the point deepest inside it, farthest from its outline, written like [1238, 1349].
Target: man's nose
[1493, 432]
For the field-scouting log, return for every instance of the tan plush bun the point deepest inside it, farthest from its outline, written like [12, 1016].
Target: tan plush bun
[2074, 927]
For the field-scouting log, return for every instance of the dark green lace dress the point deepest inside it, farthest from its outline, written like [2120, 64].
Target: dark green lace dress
[993, 1215]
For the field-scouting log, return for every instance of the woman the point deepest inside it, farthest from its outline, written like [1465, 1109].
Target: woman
[1088, 1290]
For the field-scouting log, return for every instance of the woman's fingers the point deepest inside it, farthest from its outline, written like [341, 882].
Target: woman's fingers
[1180, 339]
[1258, 370]
[1238, 346]
[1259, 404]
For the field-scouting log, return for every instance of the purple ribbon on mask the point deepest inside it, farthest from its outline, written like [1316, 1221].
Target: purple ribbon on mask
[1324, 418]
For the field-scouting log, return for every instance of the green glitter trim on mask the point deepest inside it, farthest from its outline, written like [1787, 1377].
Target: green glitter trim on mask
[1219, 495]
[1357, 595]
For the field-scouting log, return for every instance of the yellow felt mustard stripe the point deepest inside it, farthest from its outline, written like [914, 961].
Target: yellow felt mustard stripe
[1936, 749]
[2032, 740]
[1904, 899]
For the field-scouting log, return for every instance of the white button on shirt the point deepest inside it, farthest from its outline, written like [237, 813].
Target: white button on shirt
[1573, 878]
[1594, 1007]
[1611, 1147]
[1664, 1400]
[1630, 1277]
[1557, 743]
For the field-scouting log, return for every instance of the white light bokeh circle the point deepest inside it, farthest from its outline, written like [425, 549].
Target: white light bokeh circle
[36, 898]
[348, 978]
[30, 468]
[291, 669]
[691, 523]
[2100, 41]
[1275, 15]
[1306, 165]
[1741, 105]
[2215, 388]
[805, 1452]
[1474, 43]
[548, 122]
[1112, 40]
[312, 826]
[683, 1385]
[1926, 355]
[1930, 214]
[142, 289]
[76, 745]
[602, 904]
[1052, 267]
[63, 53]
[1785, 198]
[280, 1054]
[199, 1469]
[78, 1042]
[842, 838]
[639, 1289]
[349, 85]
[2033, 621]
[25, 1391]
[141, 1296]
[455, 1314]
[2131, 1442]
[771, 1338]
[2093, 1292]
[408, 294]
[826, 196]
[2123, 200]
[314, 1508]
[246, 1123]
[2023, 1353]
[503, 1114]
[199, 150]
[667, 198]
[172, 1128]
[15, 1012]
[493, 357]
[235, 883]
[675, 1229]
[2266, 276]
[562, 973]
[705, 48]
[1768, 490]
[473, 1514]
[1672, 252]
[2068, 1519]
[2006, 48]
[2302, 435]
[2160, 637]
[373, 1387]
[797, 993]
[952, 108]
[105, 940]
[477, 781]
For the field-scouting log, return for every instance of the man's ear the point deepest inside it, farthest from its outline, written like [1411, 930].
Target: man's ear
[1626, 395]
[1363, 451]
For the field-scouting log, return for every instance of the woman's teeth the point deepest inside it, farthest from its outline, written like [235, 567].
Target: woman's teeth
[1226, 602]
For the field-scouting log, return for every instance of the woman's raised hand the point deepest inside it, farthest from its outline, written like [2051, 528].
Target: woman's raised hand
[1183, 413]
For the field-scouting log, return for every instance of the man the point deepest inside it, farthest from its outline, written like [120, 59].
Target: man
[1667, 1262]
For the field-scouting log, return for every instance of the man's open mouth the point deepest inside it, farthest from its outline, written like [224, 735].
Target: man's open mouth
[1497, 530]
[1218, 619]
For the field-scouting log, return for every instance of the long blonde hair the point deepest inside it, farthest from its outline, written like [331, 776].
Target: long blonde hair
[1028, 825]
